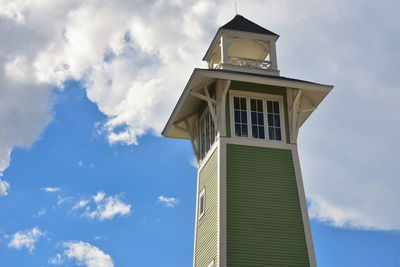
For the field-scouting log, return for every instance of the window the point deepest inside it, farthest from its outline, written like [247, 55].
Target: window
[207, 132]
[258, 117]
[240, 114]
[211, 264]
[274, 120]
[202, 203]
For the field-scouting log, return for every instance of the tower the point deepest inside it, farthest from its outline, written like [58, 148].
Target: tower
[242, 119]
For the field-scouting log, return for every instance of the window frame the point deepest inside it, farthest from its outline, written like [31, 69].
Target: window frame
[260, 96]
[202, 194]
[202, 120]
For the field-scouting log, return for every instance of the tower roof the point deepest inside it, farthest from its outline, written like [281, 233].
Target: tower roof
[240, 23]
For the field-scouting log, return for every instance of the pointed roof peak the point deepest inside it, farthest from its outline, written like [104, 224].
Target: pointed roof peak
[240, 23]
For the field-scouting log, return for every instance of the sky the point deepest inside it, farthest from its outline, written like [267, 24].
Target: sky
[87, 86]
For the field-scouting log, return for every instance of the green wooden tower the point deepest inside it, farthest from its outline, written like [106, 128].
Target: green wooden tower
[242, 119]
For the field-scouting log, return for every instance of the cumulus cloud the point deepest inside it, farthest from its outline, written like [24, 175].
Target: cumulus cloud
[26, 239]
[4, 186]
[128, 74]
[135, 75]
[51, 189]
[103, 207]
[169, 202]
[83, 254]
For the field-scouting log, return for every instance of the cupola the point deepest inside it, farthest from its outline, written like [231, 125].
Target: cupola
[241, 45]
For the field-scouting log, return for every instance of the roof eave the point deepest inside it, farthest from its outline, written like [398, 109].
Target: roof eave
[238, 77]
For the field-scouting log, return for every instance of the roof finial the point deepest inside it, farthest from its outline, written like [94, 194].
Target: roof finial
[236, 6]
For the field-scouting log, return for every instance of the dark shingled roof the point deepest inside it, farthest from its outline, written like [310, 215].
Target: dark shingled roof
[240, 23]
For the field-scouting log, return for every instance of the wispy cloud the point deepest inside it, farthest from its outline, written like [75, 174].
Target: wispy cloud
[103, 207]
[40, 213]
[83, 254]
[169, 202]
[62, 200]
[26, 239]
[80, 204]
[4, 186]
[51, 189]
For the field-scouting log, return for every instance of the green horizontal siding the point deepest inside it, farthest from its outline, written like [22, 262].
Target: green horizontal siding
[262, 89]
[264, 222]
[207, 232]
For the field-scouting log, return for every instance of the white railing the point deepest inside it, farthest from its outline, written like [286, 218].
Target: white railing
[251, 63]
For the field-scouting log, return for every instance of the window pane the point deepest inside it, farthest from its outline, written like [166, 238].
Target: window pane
[244, 116]
[259, 106]
[277, 120]
[270, 120]
[253, 105]
[260, 118]
[238, 129]
[253, 118]
[271, 132]
[276, 107]
[254, 131]
[237, 116]
[201, 204]
[261, 133]
[244, 130]
[236, 103]
[278, 134]
[269, 107]
[243, 103]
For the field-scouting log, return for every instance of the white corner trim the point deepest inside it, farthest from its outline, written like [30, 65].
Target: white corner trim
[303, 207]
[203, 161]
[222, 220]
[196, 219]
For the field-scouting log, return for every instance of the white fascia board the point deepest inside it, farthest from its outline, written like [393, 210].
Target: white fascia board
[177, 110]
[210, 49]
[178, 106]
[266, 80]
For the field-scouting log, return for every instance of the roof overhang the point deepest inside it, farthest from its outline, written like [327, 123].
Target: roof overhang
[188, 105]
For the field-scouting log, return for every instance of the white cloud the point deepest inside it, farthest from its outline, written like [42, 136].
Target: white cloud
[136, 74]
[40, 213]
[51, 189]
[80, 163]
[80, 204]
[108, 208]
[99, 197]
[4, 186]
[101, 207]
[57, 259]
[26, 239]
[169, 202]
[84, 254]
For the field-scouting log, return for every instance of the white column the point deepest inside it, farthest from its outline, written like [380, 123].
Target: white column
[274, 61]
[224, 49]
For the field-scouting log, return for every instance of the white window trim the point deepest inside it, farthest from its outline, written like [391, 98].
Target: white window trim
[202, 193]
[265, 98]
[201, 118]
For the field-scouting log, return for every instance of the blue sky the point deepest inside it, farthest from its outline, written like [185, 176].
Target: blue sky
[83, 170]
[152, 234]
